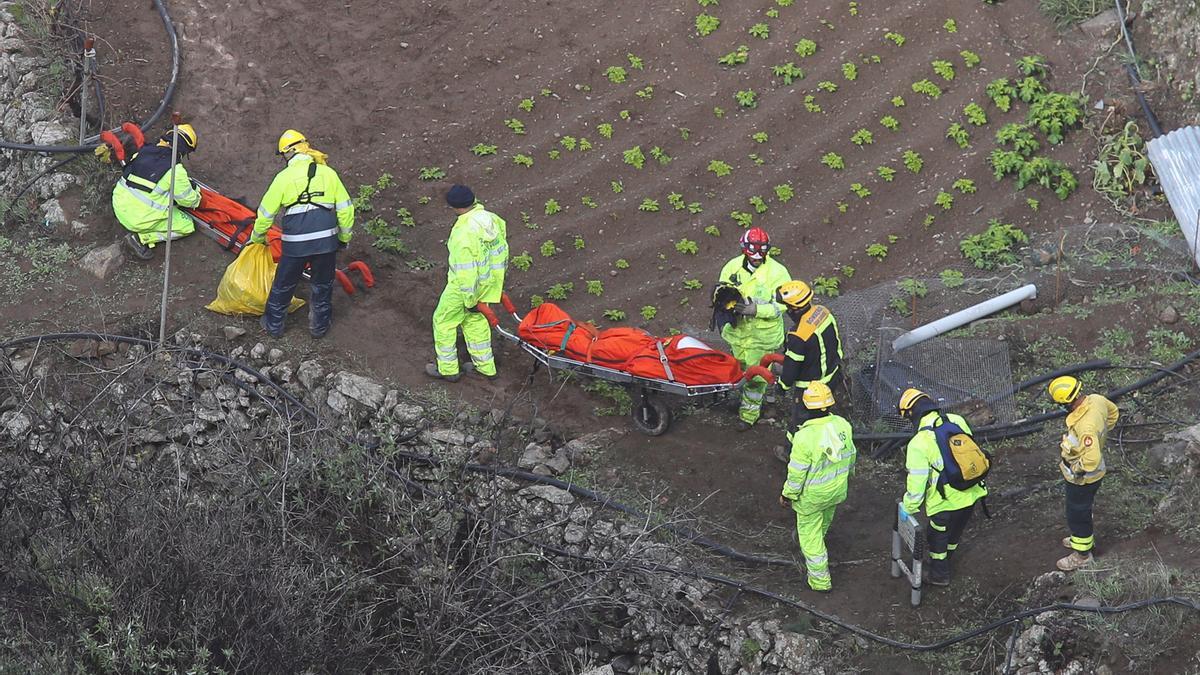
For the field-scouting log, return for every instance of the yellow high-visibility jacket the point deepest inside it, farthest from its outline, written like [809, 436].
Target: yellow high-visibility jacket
[317, 210]
[478, 261]
[764, 330]
[1082, 446]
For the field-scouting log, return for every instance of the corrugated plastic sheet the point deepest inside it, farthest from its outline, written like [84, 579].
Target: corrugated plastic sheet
[1176, 160]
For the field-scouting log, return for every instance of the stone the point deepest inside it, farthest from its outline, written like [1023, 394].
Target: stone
[591, 443]
[258, 352]
[1176, 450]
[233, 332]
[55, 184]
[446, 436]
[275, 356]
[11, 45]
[364, 390]
[1168, 315]
[337, 402]
[310, 374]
[80, 229]
[558, 464]
[15, 423]
[534, 454]
[53, 214]
[574, 534]
[50, 133]
[1104, 24]
[101, 262]
[406, 413]
[548, 493]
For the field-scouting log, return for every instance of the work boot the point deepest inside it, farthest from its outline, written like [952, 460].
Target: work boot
[939, 572]
[262, 321]
[137, 248]
[743, 425]
[469, 367]
[431, 370]
[1074, 561]
[1067, 544]
[781, 453]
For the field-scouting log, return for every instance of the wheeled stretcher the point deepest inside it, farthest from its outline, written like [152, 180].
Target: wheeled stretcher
[650, 413]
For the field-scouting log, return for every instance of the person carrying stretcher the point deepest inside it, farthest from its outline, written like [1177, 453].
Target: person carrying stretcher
[757, 327]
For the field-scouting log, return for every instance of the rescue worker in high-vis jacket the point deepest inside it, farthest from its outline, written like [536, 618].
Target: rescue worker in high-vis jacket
[949, 510]
[818, 477]
[316, 215]
[760, 330]
[812, 352]
[140, 197]
[478, 245]
[1089, 419]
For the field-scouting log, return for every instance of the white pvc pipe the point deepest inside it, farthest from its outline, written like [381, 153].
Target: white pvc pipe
[964, 317]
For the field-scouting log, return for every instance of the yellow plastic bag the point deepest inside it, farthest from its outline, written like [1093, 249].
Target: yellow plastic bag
[247, 283]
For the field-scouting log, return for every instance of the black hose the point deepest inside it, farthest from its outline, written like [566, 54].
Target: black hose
[645, 566]
[90, 143]
[1134, 78]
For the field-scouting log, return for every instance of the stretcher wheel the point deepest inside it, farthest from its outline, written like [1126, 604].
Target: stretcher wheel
[651, 416]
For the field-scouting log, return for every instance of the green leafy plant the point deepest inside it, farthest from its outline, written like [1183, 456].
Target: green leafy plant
[621, 264]
[951, 26]
[827, 86]
[617, 186]
[827, 286]
[634, 157]
[959, 135]
[944, 199]
[850, 71]
[554, 153]
[833, 161]
[604, 129]
[718, 112]
[913, 161]
[789, 72]
[483, 149]
[712, 231]
[889, 122]
[552, 207]
[695, 208]
[810, 104]
[759, 205]
[965, 186]
[568, 142]
[687, 246]
[548, 249]
[1030, 89]
[746, 98]
[431, 173]
[760, 30]
[648, 312]
[650, 205]
[898, 102]
[927, 88]
[760, 137]
[805, 47]
[706, 24]
[970, 58]
[517, 126]
[877, 251]
[693, 284]
[635, 62]
[405, 217]
[929, 220]
[1033, 204]
[560, 291]
[784, 192]
[742, 218]
[526, 104]
[896, 38]
[614, 315]
[952, 278]
[1122, 165]
[624, 115]
[1033, 65]
[1167, 346]
[842, 207]
[646, 92]
[721, 169]
[860, 190]
[594, 287]
[1054, 114]
[676, 201]
[944, 68]
[588, 202]
[887, 173]
[1002, 92]
[994, 246]
[579, 243]
[1019, 138]
[862, 137]
[975, 114]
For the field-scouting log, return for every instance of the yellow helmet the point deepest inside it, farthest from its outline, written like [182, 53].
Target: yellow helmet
[1064, 389]
[794, 294]
[818, 396]
[908, 400]
[187, 138]
[288, 140]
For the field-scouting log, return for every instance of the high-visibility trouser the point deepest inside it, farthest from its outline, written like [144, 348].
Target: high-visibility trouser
[754, 390]
[447, 317]
[151, 232]
[811, 527]
[945, 529]
[1079, 514]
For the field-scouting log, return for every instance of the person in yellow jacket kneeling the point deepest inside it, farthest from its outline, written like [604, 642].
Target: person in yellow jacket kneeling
[818, 478]
[140, 197]
[478, 246]
[1089, 419]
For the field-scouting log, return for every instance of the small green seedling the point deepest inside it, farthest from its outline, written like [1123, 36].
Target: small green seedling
[889, 122]
[805, 47]
[959, 135]
[552, 207]
[833, 161]
[944, 68]
[517, 126]
[944, 199]
[784, 192]
[614, 315]
[913, 161]
[895, 38]
[621, 264]
[548, 249]
[759, 137]
[965, 186]
[687, 247]
[712, 231]
[975, 114]
[431, 173]
[877, 251]
[649, 205]
[850, 72]
[522, 261]
[860, 190]
[579, 243]
[634, 157]
[594, 287]
[706, 24]
[721, 169]
[648, 312]
[746, 98]
[927, 88]
[862, 137]
[760, 30]
[526, 104]
[887, 173]
[483, 149]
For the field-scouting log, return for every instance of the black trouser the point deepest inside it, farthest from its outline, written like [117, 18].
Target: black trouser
[1079, 514]
[287, 276]
[945, 529]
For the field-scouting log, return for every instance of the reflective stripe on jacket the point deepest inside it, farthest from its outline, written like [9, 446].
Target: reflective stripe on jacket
[813, 351]
[316, 213]
[478, 261]
[820, 464]
[923, 460]
[1082, 446]
[765, 329]
[140, 197]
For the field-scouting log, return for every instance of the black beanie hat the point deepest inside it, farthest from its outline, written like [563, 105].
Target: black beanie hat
[460, 197]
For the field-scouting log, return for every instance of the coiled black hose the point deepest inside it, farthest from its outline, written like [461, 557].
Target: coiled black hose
[557, 551]
[91, 142]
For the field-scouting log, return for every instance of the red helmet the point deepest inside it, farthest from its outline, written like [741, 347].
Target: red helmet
[755, 244]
